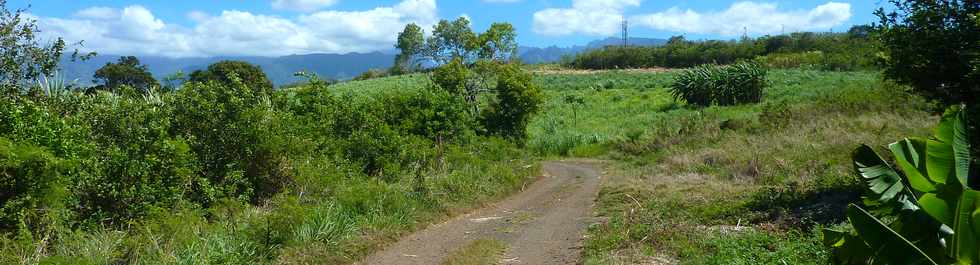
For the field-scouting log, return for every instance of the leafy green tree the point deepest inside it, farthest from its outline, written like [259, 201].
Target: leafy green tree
[498, 43]
[411, 42]
[23, 58]
[127, 71]
[933, 46]
[451, 77]
[450, 40]
[516, 101]
[223, 71]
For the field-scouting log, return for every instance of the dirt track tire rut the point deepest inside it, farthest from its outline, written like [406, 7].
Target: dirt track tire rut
[543, 224]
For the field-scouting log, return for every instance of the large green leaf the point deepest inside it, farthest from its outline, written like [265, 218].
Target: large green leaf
[965, 246]
[848, 248]
[940, 159]
[881, 179]
[887, 244]
[961, 148]
[948, 152]
[937, 208]
[910, 155]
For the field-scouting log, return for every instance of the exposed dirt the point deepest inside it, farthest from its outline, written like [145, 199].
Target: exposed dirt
[544, 224]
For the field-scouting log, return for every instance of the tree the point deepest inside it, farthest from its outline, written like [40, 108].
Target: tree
[22, 58]
[934, 47]
[126, 71]
[411, 42]
[450, 40]
[498, 43]
[517, 100]
[223, 71]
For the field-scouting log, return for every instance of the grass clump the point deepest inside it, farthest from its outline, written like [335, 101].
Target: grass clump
[704, 85]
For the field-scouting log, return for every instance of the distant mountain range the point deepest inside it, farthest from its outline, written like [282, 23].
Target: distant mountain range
[338, 66]
[279, 69]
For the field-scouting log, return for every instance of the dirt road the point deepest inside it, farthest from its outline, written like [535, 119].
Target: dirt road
[543, 224]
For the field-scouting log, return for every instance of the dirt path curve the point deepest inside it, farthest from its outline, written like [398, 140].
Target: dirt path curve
[543, 224]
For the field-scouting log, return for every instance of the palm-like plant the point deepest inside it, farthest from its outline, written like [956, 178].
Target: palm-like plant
[935, 211]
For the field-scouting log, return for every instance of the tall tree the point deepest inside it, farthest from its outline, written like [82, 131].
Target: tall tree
[411, 42]
[499, 42]
[450, 40]
[126, 71]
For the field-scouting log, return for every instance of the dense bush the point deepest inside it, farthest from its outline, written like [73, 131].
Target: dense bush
[517, 99]
[232, 130]
[30, 184]
[705, 85]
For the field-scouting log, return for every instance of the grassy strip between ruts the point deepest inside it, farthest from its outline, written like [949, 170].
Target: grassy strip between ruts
[485, 251]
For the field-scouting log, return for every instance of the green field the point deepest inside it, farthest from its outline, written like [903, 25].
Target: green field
[748, 184]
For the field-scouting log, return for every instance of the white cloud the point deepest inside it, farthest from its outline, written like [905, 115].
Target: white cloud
[98, 12]
[750, 17]
[302, 5]
[198, 16]
[134, 30]
[589, 17]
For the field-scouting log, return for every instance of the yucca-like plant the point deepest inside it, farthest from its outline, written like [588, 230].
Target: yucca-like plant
[704, 85]
[55, 85]
[934, 210]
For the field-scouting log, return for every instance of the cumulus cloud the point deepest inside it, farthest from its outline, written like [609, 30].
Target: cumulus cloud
[589, 17]
[302, 5]
[134, 30]
[750, 17]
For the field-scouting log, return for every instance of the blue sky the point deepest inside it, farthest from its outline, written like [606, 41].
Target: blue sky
[179, 28]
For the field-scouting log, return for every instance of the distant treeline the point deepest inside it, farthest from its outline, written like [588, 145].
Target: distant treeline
[829, 51]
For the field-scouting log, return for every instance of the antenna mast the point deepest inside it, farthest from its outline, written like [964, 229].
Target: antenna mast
[626, 32]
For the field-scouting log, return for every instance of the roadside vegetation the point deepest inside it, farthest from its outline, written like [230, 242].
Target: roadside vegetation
[223, 169]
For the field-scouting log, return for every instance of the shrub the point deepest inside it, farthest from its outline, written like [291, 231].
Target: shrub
[230, 128]
[517, 100]
[705, 85]
[140, 167]
[30, 182]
